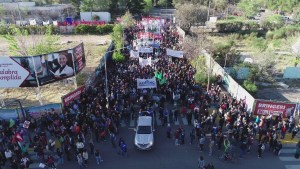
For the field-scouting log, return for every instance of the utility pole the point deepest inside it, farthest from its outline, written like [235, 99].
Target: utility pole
[209, 72]
[208, 11]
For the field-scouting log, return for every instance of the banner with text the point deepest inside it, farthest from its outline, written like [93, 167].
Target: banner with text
[145, 50]
[144, 62]
[134, 54]
[175, 53]
[12, 73]
[146, 83]
[274, 108]
[74, 95]
[79, 58]
[34, 71]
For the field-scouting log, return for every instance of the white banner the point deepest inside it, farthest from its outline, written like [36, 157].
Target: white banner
[146, 83]
[144, 62]
[134, 54]
[175, 53]
[12, 74]
[145, 50]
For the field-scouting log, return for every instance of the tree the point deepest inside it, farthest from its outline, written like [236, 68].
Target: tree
[296, 16]
[282, 5]
[76, 4]
[18, 43]
[272, 22]
[95, 5]
[188, 14]
[127, 20]
[148, 6]
[135, 6]
[249, 8]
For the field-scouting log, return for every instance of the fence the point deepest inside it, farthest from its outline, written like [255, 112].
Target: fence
[230, 85]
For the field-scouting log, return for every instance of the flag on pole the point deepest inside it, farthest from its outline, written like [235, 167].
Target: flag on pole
[11, 123]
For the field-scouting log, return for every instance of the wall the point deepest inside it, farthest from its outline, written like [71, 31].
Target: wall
[230, 85]
[292, 73]
[104, 16]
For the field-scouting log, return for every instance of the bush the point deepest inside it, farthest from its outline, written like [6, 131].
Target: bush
[279, 33]
[93, 29]
[31, 29]
[108, 28]
[269, 35]
[201, 78]
[118, 56]
[229, 26]
[250, 87]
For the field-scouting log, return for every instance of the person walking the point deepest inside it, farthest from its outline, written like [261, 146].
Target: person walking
[201, 162]
[192, 136]
[261, 148]
[85, 156]
[59, 154]
[113, 139]
[80, 160]
[211, 146]
[169, 129]
[98, 157]
[201, 142]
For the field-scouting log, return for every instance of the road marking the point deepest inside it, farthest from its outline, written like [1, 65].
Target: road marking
[288, 159]
[184, 121]
[289, 146]
[287, 151]
[292, 166]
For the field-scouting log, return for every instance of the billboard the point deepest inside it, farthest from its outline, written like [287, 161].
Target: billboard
[74, 95]
[14, 74]
[274, 108]
[38, 111]
[34, 71]
[79, 58]
[54, 66]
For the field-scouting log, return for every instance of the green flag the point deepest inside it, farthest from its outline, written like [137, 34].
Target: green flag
[163, 81]
[11, 123]
[158, 75]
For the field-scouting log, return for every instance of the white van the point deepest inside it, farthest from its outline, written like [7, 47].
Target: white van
[144, 137]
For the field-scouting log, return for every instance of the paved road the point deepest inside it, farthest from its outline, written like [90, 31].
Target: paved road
[166, 155]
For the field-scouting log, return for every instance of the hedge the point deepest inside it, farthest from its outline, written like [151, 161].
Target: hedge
[4, 30]
[94, 29]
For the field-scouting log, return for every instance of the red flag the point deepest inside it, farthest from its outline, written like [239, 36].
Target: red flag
[18, 137]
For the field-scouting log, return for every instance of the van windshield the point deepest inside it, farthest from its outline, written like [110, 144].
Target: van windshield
[144, 130]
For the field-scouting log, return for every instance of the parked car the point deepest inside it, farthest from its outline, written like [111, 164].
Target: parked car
[144, 131]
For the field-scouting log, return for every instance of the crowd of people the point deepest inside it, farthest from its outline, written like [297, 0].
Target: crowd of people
[97, 116]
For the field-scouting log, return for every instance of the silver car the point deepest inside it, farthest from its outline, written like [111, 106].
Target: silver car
[144, 138]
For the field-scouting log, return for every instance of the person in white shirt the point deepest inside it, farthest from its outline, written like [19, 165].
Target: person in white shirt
[8, 155]
[64, 70]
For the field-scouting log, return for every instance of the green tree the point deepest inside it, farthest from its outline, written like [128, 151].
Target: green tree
[296, 15]
[148, 6]
[18, 43]
[188, 14]
[95, 5]
[282, 5]
[135, 6]
[272, 22]
[76, 4]
[127, 20]
[249, 8]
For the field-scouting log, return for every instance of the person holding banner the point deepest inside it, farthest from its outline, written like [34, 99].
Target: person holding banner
[64, 70]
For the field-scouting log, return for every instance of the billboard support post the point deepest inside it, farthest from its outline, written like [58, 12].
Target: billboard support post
[38, 89]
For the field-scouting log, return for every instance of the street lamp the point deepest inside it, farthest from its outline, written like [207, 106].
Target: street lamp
[106, 79]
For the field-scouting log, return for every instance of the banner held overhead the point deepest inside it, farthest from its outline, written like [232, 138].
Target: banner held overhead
[146, 83]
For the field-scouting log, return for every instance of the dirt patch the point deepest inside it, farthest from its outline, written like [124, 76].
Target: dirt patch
[52, 93]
